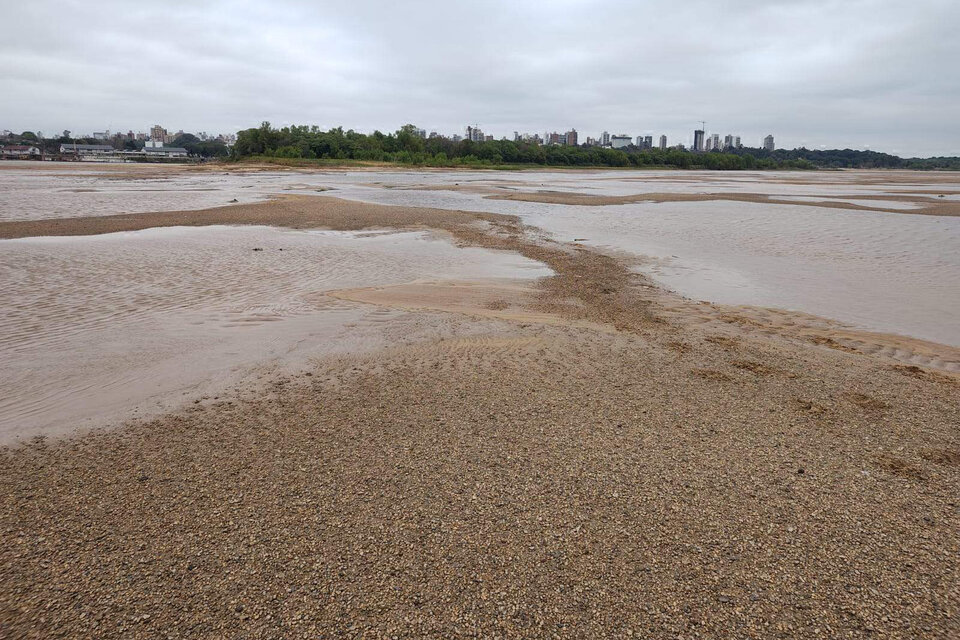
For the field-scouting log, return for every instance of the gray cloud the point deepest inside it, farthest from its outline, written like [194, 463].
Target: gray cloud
[849, 73]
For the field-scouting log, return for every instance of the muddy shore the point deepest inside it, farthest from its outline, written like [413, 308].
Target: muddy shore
[592, 457]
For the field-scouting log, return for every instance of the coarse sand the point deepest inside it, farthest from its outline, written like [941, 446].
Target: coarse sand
[589, 457]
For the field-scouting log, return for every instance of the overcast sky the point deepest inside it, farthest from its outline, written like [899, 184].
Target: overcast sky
[875, 74]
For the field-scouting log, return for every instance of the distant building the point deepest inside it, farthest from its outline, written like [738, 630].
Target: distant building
[605, 139]
[488, 138]
[571, 137]
[19, 151]
[768, 143]
[736, 141]
[728, 141]
[165, 152]
[620, 141]
[153, 144]
[474, 134]
[648, 142]
[715, 142]
[663, 143]
[84, 150]
[698, 140]
[101, 135]
[158, 133]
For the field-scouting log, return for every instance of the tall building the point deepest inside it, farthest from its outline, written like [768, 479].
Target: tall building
[768, 143]
[158, 133]
[605, 139]
[698, 140]
[474, 134]
[648, 142]
[639, 142]
[715, 142]
[736, 141]
[728, 141]
[572, 137]
[663, 143]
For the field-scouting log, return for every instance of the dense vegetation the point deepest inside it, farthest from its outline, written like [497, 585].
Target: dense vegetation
[404, 146]
[305, 144]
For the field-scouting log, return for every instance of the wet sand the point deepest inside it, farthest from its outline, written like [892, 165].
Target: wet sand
[928, 206]
[591, 456]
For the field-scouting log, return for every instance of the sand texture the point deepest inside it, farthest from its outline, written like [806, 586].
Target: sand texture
[586, 457]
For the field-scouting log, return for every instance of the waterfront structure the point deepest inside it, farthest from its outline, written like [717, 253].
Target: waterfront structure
[698, 140]
[86, 150]
[663, 143]
[19, 151]
[165, 152]
[768, 143]
[620, 141]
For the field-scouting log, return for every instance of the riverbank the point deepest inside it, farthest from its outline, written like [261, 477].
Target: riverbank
[592, 456]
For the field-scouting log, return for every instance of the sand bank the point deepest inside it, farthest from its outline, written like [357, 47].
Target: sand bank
[588, 458]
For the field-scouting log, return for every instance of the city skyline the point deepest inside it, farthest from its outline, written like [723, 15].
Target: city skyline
[776, 67]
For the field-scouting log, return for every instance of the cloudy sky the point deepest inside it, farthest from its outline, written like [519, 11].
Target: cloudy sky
[872, 74]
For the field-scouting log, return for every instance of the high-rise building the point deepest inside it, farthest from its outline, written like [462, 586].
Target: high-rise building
[605, 139]
[768, 143]
[736, 141]
[572, 137]
[475, 134]
[639, 142]
[648, 142]
[715, 142]
[158, 133]
[698, 140]
[728, 141]
[663, 143]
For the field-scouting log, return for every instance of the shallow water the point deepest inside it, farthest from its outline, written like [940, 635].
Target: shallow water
[93, 326]
[887, 272]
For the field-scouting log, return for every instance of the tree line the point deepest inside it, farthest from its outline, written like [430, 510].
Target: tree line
[406, 147]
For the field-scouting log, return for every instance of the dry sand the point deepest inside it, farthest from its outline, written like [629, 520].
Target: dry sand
[590, 458]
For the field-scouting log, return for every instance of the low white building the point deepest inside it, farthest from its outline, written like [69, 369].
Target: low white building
[620, 141]
[19, 151]
[165, 152]
[72, 148]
